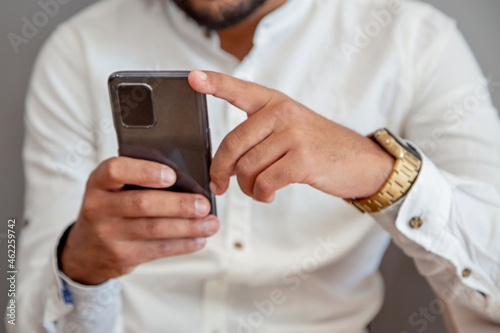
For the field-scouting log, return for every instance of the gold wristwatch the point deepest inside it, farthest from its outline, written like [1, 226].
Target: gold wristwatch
[404, 174]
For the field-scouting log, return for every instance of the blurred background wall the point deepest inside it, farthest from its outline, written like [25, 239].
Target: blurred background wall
[478, 20]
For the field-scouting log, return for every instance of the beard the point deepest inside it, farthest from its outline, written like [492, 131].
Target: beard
[219, 14]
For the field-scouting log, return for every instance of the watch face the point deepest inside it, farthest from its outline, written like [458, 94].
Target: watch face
[405, 145]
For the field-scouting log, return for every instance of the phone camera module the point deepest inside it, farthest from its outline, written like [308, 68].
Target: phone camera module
[136, 105]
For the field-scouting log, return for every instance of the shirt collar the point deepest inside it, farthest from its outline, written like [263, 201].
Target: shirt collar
[279, 18]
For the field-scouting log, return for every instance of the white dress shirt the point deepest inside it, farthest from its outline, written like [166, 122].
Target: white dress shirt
[307, 262]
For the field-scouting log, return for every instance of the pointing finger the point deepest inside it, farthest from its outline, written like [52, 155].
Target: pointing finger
[247, 96]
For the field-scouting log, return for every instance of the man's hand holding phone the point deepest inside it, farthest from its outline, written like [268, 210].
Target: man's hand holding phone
[117, 230]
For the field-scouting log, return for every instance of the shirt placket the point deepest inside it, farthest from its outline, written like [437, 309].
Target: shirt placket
[237, 220]
[239, 205]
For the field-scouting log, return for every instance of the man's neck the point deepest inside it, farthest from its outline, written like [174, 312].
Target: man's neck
[238, 40]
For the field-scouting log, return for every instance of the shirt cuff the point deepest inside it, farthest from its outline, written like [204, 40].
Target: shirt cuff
[90, 301]
[419, 224]
[87, 307]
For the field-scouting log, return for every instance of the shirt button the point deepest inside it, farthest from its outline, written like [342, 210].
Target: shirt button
[238, 245]
[416, 222]
[466, 272]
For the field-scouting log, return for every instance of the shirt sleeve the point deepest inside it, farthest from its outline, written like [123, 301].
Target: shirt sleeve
[94, 308]
[456, 196]
[59, 154]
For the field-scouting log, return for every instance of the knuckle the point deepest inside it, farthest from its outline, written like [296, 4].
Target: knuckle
[119, 257]
[304, 156]
[286, 109]
[296, 135]
[147, 253]
[90, 210]
[162, 249]
[194, 228]
[244, 167]
[151, 227]
[141, 203]
[175, 228]
[186, 204]
[112, 169]
[182, 228]
[263, 184]
[101, 234]
[232, 141]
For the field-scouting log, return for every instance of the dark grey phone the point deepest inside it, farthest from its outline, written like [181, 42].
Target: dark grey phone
[159, 117]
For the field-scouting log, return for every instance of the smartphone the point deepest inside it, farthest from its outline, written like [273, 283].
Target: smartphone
[159, 117]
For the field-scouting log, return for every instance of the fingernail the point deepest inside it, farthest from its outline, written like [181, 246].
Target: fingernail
[201, 75]
[199, 242]
[201, 206]
[167, 176]
[210, 225]
[213, 187]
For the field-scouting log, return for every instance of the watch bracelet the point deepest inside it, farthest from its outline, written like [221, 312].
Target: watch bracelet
[394, 188]
[405, 171]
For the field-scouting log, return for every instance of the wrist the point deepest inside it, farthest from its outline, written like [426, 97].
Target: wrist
[403, 175]
[69, 264]
[372, 169]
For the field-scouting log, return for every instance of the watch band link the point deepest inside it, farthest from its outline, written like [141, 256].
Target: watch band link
[404, 173]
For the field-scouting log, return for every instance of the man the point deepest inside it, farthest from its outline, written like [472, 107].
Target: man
[286, 253]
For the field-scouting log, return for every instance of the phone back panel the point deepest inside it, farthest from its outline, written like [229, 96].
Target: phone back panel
[175, 132]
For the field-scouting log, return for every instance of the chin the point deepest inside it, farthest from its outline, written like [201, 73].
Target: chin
[219, 14]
